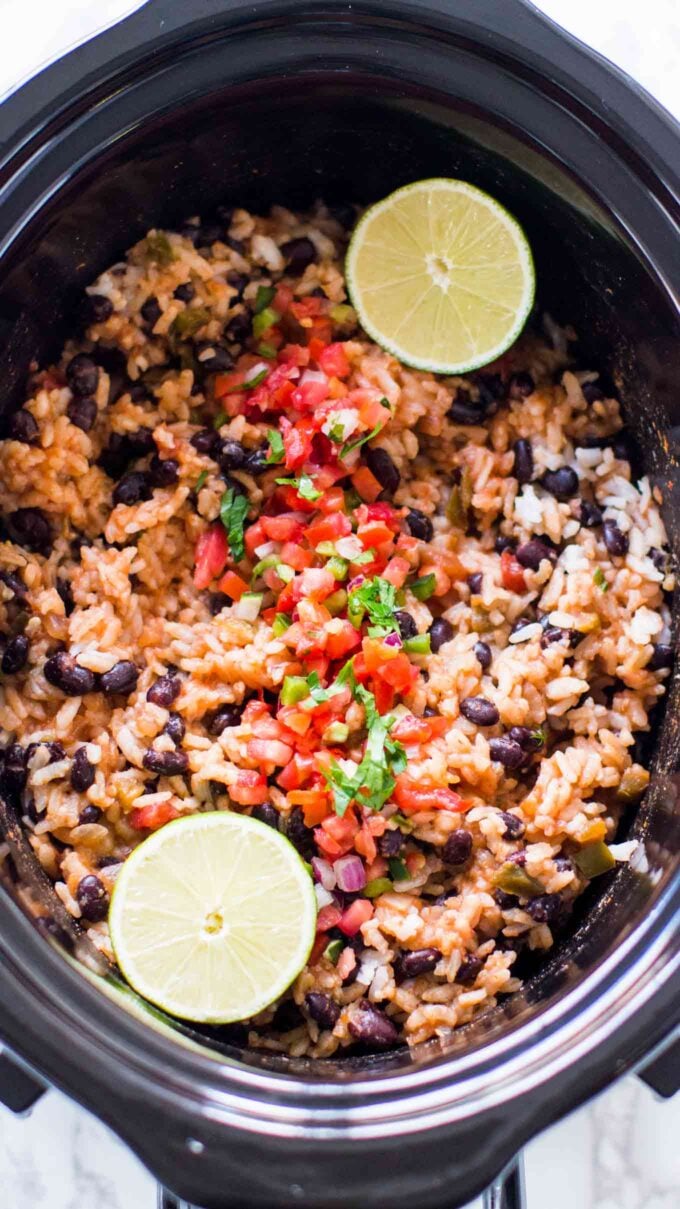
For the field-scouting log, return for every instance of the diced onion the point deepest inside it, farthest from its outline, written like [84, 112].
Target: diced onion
[323, 897]
[350, 873]
[324, 873]
[248, 607]
[265, 549]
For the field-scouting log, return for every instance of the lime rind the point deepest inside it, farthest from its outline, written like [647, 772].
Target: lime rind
[509, 224]
[140, 940]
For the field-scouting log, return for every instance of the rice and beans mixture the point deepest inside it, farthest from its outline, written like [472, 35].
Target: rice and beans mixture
[251, 562]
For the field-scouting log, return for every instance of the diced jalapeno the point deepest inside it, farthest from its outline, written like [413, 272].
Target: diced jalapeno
[632, 785]
[337, 732]
[481, 622]
[418, 645]
[157, 247]
[294, 689]
[334, 949]
[460, 500]
[189, 321]
[338, 567]
[379, 885]
[398, 870]
[404, 824]
[594, 859]
[266, 350]
[265, 295]
[336, 602]
[285, 573]
[280, 624]
[424, 587]
[272, 560]
[266, 318]
[343, 314]
[513, 879]
[355, 610]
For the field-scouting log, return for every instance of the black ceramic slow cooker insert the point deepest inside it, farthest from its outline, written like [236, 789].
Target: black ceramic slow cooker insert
[176, 110]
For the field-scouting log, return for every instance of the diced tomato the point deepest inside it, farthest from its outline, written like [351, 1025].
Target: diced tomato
[212, 549]
[256, 711]
[328, 918]
[254, 536]
[318, 948]
[346, 962]
[411, 730]
[315, 804]
[317, 663]
[396, 571]
[232, 585]
[153, 816]
[309, 393]
[329, 528]
[294, 354]
[282, 528]
[354, 916]
[361, 672]
[269, 751]
[249, 789]
[376, 654]
[297, 720]
[512, 573]
[296, 556]
[225, 384]
[374, 534]
[400, 673]
[316, 583]
[282, 299]
[377, 868]
[332, 500]
[319, 329]
[365, 843]
[366, 484]
[301, 768]
[288, 499]
[384, 696]
[341, 639]
[414, 796]
[333, 361]
[336, 388]
[335, 837]
[380, 511]
[297, 443]
[305, 308]
[372, 411]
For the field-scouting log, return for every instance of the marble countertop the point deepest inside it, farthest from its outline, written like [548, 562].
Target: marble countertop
[618, 1152]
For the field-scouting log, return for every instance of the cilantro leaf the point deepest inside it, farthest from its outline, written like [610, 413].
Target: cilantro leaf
[378, 598]
[201, 480]
[372, 782]
[275, 446]
[304, 487]
[233, 512]
[349, 446]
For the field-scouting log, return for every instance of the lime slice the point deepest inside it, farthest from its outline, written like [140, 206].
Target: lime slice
[212, 917]
[441, 276]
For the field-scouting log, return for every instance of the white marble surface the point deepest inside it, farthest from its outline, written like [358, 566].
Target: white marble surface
[619, 1152]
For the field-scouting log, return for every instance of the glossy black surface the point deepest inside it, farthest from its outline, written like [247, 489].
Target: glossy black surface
[167, 116]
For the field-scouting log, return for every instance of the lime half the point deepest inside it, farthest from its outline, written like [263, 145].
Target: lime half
[212, 917]
[441, 276]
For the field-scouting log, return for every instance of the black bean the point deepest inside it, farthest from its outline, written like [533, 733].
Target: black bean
[122, 678]
[592, 393]
[504, 543]
[468, 970]
[165, 690]
[406, 623]
[524, 460]
[491, 389]
[64, 589]
[287, 1017]
[121, 450]
[167, 763]
[175, 728]
[231, 455]
[554, 634]
[529, 740]
[82, 413]
[90, 814]
[419, 525]
[545, 908]
[15, 584]
[412, 962]
[614, 539]
[591, 440]
[64, 673]
[206, 440]
[520, 623]
[15, 655]
[371, 1026]
[213, 358]
[659, 558]
[390, 842]
[562, 483]
[441, 631]
[266, 813]
[239, 328]
[98, 308]
[514, 827]
[458, 847]
[185, 292]
[531, 554]
[383, 468]
[210, 232]
[475, 582]
[218, 601]
[483, 654]
[506, 751]
[82, 375]
[82, 772]
[92, 898]
[163, 471]
[151, 311]
[132, 488]
[14, 773]
[30, 528]
[256, 461]
[23, 427]
[563, 863]
[54, 748]
[662, 656]
[226, 715]
[300, 836]
[520, 386]
[298, 253]
[322, 1009]
[480, 711]
[590, 515]
[464, 410]
[238, 281]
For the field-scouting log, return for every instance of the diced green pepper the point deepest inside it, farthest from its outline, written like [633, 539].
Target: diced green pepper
[280, 624]
[294, 689]
[271, 560]
[333, 950]
[336, 602]
[423, 587]
[352, 499]
[355, 610]
[188, 322]
[265, 295]
[264, 319]
[513, 879]
[157, 248]
[379, 885]
[418, 645]
[632, 785]
[398, 870]
[404, 824]
[337, 732]
[338, 567]
[594, 859]
[599, 580]
[460, 500]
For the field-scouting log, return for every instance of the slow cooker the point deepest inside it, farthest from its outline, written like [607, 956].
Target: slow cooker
[182, 107]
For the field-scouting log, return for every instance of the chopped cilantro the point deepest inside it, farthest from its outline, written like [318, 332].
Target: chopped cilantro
[220, 419]
[304, 487]
[201, 480]
[265, 295]
[372, 782]
[233, 512]
[276, 450]
[350, 446]
[377, 597]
